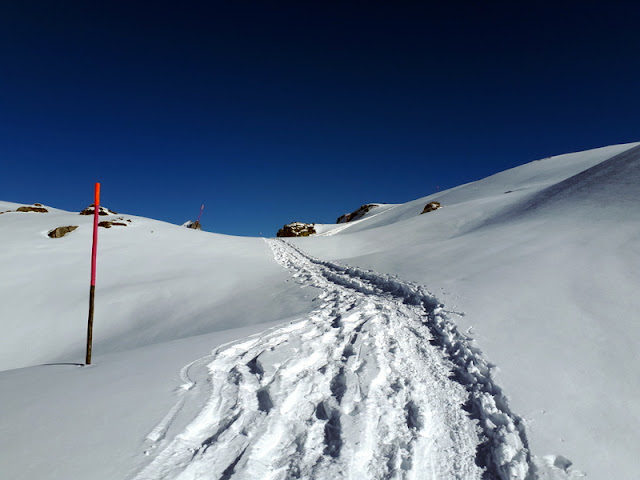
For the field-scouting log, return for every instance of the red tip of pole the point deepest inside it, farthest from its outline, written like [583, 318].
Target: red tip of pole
[97, 195]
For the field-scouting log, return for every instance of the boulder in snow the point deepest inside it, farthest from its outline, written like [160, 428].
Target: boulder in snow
[60, 232]
[430, 207]
[190, 224]
[297, 229]
[109, 224]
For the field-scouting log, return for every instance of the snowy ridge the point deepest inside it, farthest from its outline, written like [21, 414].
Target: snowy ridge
[341, 227]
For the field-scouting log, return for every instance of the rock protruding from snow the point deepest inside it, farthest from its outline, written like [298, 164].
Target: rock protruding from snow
[297, 229]
[430, 207]
[60, 232]
[357, 214]
[111, 223]
[193, 225]
[101, 211]
[36, 207]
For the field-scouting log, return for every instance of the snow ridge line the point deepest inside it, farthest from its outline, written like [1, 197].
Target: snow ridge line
[160, 430]
[333, 231]
[504, 452]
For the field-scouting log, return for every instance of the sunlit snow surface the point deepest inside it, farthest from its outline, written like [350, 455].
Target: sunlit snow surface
[355, 375]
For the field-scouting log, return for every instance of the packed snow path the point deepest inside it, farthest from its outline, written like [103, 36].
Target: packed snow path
[375, 384]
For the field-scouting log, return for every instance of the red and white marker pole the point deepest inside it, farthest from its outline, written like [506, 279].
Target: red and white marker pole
[92, 290]
[200, 215]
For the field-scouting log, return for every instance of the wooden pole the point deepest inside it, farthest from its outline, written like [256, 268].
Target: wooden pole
[92, 290]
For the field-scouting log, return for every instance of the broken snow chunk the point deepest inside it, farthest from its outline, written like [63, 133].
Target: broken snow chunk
[556, 466]
[558, 461]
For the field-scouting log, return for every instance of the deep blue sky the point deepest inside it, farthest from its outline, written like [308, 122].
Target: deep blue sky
[270, 112]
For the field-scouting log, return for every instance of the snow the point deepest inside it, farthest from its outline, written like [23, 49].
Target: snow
[156, 282]
[62, 421]
[498, 333]
[298, 400]
[547, 278]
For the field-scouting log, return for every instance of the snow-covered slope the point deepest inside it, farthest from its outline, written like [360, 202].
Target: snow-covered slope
[542, 260]
[156, 282]
[165, 296]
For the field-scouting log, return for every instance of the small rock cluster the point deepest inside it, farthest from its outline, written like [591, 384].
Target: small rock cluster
[60, 232]
[297, 229]
[118, 222]
[101, 211]
[36, 207]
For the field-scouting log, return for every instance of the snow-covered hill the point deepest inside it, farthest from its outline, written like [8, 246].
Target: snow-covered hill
[540, 263]
[156, 282]
[544, 261]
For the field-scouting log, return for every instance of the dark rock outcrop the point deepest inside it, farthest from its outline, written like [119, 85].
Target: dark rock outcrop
[60, 232]
[36, 207]
[194, 225]
[359, 213]
[297, 229]
[430, 207]
[102, 211]
[109, 223]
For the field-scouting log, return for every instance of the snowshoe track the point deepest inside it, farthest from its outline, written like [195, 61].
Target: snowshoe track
[376, 383]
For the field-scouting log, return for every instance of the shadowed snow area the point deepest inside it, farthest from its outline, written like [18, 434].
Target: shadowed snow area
[327, 357]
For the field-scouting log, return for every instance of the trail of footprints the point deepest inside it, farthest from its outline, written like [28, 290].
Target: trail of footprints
[351, 392]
